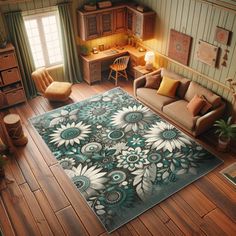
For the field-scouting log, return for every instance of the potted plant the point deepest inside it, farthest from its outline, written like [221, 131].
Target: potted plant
[84, 50]
[3, 41]
[226, 131]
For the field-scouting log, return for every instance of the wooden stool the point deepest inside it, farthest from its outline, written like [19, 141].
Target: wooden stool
[14, 129]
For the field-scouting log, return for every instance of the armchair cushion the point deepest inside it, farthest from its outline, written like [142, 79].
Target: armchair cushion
[58, 91]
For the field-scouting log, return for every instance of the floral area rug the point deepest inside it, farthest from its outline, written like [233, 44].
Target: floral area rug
[121, 156]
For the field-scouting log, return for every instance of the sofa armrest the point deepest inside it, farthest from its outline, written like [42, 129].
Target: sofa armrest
[207, 120]
[140, 82]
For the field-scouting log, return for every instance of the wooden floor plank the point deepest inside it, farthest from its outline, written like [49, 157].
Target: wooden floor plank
[180, 218]
[71, 222]
[36, 210]
[5, 223]
[27, 172]
[218, 197]
[44, 176]
[154, 224]
[140, 227]
[85, 213]
[197, 200]
[161, 214]
[174, 228]
[18, 211]
[226, 225]
[48, 213]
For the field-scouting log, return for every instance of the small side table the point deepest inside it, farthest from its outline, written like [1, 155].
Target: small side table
[140, 71]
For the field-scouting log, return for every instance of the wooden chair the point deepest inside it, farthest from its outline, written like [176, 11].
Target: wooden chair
[119, 66]
[50, 89]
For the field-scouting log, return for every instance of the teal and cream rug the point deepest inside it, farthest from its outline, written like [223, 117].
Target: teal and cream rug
[121, 156]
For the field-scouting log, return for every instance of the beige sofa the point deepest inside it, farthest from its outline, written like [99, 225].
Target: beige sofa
[175, 109]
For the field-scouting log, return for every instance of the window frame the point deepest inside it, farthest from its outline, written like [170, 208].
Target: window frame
[38, 17]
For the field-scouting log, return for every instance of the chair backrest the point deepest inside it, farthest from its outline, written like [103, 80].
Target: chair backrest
[42, 79]
[122, 61]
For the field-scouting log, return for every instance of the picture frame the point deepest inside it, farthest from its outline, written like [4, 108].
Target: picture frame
[222, 35]
[207, 53]
[179, 47]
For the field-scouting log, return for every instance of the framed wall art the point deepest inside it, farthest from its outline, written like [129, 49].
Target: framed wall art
[222, 35]
[207, 53]
[179, 46]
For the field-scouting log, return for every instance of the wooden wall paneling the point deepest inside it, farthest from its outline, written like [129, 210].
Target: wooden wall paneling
[48, 213]
[36, 210]
[81, 207]
[5, 223]
[71, 222]
[186, 15]
[164, 21]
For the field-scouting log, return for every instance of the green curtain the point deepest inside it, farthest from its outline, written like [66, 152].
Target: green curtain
[18, 37]
[71, 61]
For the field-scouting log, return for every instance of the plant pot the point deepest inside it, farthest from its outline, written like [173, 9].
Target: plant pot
[223, 144]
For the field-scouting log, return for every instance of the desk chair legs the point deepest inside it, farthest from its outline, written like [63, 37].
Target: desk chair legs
[118, 74]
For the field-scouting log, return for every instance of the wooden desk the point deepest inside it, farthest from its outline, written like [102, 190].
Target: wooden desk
[94, 64]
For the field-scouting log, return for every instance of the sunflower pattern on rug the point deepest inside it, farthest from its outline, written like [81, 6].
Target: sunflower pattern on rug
[121, 156]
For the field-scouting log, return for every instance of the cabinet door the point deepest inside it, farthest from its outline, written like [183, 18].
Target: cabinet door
[119, 20]
[130, 16]
[92, 26]
[138, 25]
[106, 19]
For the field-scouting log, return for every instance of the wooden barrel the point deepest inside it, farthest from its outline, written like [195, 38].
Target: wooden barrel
[14, 129]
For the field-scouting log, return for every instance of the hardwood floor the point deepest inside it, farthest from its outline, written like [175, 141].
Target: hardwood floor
[38, 198]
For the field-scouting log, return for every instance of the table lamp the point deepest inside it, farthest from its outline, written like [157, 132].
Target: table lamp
[149, 58]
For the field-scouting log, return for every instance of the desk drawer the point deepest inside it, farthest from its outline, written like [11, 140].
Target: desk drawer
[10, 76]
[7, 60]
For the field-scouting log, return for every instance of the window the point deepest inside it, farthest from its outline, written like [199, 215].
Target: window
[43, 34]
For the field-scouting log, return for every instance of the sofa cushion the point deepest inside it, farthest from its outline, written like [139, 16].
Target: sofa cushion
[206, 107]
[195, 88]
[150, 96]
[178, 111]
[168, 87]
[153, 81]
[183, 85]
[195, 105]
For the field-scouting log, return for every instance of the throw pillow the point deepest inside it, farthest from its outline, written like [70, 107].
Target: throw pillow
[168, 87]
[195, 105]
[206, 107]
[153, 81]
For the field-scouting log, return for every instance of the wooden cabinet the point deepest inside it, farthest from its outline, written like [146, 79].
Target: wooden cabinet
[141, 24]
[133, 62]
[119, 20]
[11, 87]
[96, 25]
[106, 23]
[91, 71]
[92, 27]
[122, 18]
